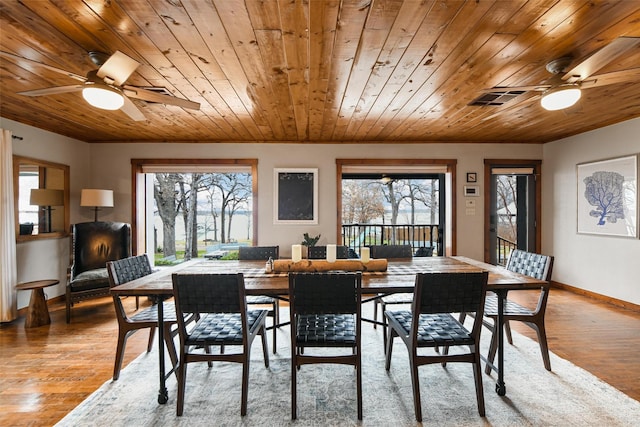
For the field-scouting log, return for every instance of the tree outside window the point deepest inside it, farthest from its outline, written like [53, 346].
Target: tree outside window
[384, 202]
[215, 209]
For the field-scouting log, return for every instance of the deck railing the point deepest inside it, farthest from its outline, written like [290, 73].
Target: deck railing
[504, 250]
[418, 236]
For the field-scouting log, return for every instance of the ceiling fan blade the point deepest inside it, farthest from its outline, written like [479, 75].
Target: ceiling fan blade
[52, 90]
[505, 89]
[151, 96]
[631, 75]
[118, 68]
[40, 64]
[130, 109]
[601, 58]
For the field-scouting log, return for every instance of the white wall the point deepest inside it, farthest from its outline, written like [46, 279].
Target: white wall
[112, 169]
[49, 258]
[601, 264]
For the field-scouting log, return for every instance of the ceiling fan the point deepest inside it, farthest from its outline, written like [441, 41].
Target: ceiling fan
[105, 87]
[563, 92]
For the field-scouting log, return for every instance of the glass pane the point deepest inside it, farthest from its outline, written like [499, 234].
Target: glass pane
[27, 213]
[223, 217]
[391, 210]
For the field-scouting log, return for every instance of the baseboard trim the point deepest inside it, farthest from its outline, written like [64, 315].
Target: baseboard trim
[610, 300]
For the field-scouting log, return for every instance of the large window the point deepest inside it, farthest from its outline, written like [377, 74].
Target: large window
[187, 209]
[397, 202]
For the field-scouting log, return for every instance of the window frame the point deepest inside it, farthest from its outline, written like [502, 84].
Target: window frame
[450, 246]
[491, 166]
[138, 201]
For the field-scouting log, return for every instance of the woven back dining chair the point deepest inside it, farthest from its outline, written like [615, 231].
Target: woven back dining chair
[263, 253]
[530, 264]
[320, 252]
[389, 252]
[325, 312]
[123, 271]
[217, 301]
[258, 253]
[431, 324]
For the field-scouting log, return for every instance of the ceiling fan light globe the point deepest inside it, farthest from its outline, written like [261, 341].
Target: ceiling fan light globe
[103, 97]
[386, 179]
[560, 97]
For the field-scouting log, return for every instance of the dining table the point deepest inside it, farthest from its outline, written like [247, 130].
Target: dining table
[399, 277]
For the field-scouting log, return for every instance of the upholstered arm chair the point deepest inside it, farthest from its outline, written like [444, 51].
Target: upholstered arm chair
[92, 245]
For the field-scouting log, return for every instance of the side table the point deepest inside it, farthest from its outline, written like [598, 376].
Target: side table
[38, 312]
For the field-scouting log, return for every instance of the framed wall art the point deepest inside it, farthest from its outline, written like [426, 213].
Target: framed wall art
[295, 196]
[608, 197]
[472, 177]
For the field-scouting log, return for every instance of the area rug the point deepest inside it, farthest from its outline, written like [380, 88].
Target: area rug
[567, 396]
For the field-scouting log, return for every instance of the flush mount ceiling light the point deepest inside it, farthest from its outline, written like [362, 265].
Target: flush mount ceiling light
[386, 179]
[103, 96]
[560, 97]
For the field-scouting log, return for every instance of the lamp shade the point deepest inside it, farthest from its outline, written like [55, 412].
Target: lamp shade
[560, 97]
[96, 198]
[103, 96]
[46, 197]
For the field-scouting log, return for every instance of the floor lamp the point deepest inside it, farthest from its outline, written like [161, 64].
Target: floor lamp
[45, 198]
[96, 199]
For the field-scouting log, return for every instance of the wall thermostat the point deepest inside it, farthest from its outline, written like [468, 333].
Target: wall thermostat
[471, 190]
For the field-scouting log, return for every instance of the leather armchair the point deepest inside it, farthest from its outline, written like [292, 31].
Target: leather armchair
[93, 244]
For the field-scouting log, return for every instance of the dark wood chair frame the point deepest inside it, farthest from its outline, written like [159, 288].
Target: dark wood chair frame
[328, 301]
[436, 296]
[123, 271]
[389, 252]
[218, 302]
[263, 253]
[530, 264]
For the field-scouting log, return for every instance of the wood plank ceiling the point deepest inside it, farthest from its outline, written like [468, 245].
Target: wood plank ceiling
[317, 71]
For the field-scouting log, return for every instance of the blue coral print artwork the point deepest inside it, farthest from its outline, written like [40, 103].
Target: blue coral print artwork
[607, 197]
[605, 192]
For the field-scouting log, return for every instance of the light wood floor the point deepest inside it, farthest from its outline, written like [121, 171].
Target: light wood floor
[49, 370]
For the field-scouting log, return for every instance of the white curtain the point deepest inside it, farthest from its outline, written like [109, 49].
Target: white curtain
[8, 269]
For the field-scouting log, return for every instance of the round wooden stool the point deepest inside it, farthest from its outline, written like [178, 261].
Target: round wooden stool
[38, 312]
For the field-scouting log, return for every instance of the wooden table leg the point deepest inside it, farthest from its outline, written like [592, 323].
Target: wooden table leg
[163, 394]
[501, 388]
[38, 312]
